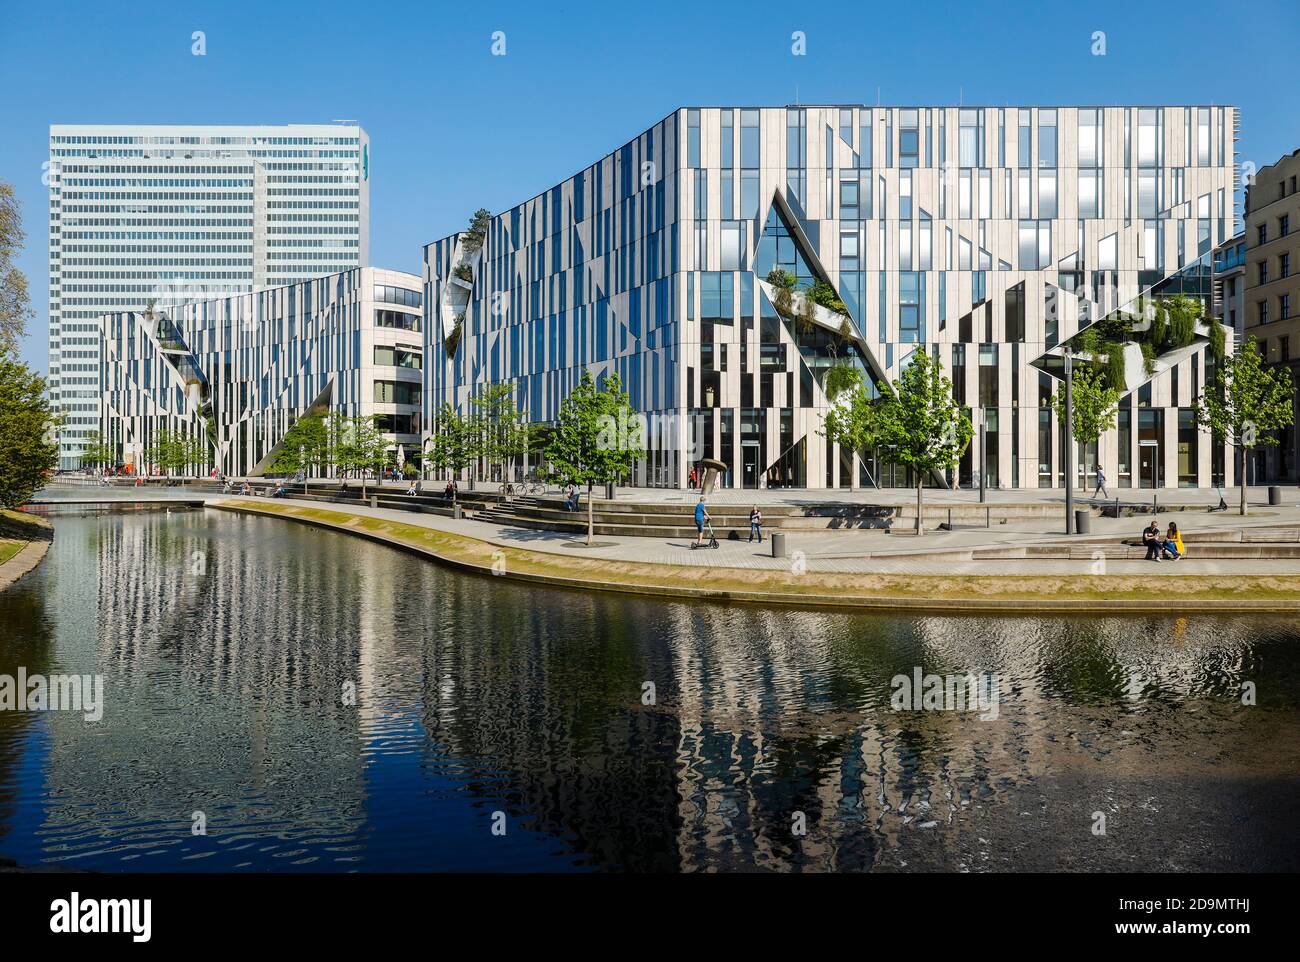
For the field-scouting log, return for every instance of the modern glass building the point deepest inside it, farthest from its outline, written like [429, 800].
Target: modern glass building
[240, 370]
[176, 214]
[992, 237]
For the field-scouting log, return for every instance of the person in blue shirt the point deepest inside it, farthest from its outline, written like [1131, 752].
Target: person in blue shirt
[701, 516]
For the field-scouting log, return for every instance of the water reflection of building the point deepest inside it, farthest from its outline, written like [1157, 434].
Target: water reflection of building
[476, 694]
[212, 703]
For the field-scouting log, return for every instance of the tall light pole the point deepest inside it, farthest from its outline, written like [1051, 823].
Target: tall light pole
[984, 461]
[1069, 443]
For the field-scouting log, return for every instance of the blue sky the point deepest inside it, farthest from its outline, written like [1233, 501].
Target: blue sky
[454, 128]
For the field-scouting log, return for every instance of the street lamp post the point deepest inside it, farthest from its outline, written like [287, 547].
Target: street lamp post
[984, 460]
[1069, 444]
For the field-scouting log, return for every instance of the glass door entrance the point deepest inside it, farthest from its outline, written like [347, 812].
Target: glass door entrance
[749, 464]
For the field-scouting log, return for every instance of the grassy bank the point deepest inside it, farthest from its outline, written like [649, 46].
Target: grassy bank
[964, 592]
[16, 529]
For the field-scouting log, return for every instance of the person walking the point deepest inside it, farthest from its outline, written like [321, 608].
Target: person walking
[692, 478]
[1174, 542]
[1151, 538]
[1101, 483]
[756, 524]
[701, 516]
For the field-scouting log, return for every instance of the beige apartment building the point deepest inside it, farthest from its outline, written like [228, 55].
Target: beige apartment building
[1271, 299]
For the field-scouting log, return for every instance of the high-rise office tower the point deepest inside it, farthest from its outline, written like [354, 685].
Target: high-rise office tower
[178, 214]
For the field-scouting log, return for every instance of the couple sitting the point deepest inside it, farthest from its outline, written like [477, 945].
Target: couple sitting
[1158, 546]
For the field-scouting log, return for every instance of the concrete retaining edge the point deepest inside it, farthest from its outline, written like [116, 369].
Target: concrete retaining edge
[803, 600]
[23, 562]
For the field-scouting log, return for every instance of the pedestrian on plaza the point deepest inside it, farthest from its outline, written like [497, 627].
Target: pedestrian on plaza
[756, 524]
[1101, 483]
[1151, 538]
[701, 516]
[1174, 542]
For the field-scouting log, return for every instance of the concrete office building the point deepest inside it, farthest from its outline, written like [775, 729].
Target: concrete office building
[988, 236]
[241, 369]
[176, 214]
[1272, 295]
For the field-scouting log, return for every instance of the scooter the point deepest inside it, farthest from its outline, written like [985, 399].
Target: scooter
[711, 543]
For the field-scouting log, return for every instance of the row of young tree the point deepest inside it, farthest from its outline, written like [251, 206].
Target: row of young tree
[596, 438]
[915, 422]
[333, 444]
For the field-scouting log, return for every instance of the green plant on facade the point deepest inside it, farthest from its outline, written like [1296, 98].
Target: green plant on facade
[823, 294]
[476, 233]
[783, 282]
[452, 341]
[464, 272]
[841, 377]
[1247, 403]
[1218, 340]
[805, 316]
[1157, 325]
[1148, 358]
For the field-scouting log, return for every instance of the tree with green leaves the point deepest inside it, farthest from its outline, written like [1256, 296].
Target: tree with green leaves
[15, 302]
[1096, 406]
[28, 449]
[500, 435]
[852, 421]
[1248, 401]
[596, 439]
[920, 425]
[95, 451]
[305, 446]
[171, 450]
[451, 447]
[361, 447]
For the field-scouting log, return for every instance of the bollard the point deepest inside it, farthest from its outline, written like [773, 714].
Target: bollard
[1274, 495]
[1083, 522]
[455, 511]
[609, 490]
[778, 544]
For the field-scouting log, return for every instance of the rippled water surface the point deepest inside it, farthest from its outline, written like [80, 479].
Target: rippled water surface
[228, 645]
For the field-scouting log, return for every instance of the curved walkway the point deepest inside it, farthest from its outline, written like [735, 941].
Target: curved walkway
[38, 534]
[856, 569]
